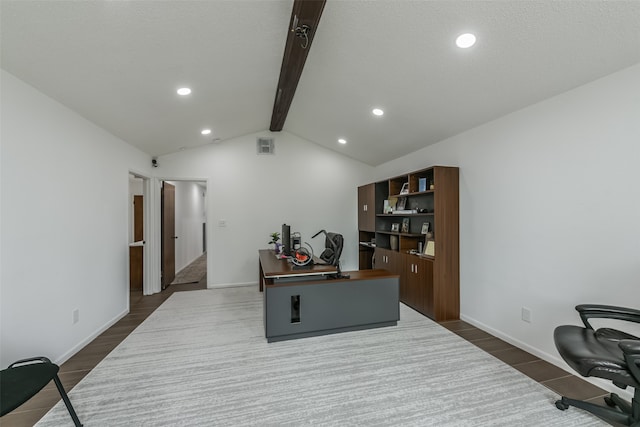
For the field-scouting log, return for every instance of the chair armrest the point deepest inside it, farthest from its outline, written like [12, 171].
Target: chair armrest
[631, 350]
[589, 311]
[631, 347]
[30, 360]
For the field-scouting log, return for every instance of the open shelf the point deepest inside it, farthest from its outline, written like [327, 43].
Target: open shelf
[397, 233]
[407, 214]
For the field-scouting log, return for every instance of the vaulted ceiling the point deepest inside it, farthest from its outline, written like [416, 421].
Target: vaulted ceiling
[119, 63]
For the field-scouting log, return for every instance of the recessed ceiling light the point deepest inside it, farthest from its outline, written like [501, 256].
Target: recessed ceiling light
[465, 40]
[184, 91]
[205, 131]
[342, 141]
[377, 112]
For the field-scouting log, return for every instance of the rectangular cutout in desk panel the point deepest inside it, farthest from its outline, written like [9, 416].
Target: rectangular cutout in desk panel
[295, 308]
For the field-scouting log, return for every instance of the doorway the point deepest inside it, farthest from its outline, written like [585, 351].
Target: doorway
[136, 232]
[183, 234]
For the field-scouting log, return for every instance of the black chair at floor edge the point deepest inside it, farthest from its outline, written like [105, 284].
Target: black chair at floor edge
[605, 353]
[24, 379]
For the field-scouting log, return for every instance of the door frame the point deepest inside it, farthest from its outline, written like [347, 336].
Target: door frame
[156, 187]
[150, 268]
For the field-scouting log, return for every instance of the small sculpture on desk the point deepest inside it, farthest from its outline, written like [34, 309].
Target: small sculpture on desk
[302, 257]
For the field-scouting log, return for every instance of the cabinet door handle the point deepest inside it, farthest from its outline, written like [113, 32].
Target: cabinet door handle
[364, 208]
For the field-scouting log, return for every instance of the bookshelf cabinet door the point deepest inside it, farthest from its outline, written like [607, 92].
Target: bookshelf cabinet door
[366, 208]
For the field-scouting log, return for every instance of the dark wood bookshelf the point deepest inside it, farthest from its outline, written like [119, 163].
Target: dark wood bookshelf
[429, 284]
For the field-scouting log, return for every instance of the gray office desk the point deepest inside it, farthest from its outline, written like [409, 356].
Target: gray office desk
[368, 299]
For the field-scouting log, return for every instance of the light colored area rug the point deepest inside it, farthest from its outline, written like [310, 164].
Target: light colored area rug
[201, 359]
[193, 272]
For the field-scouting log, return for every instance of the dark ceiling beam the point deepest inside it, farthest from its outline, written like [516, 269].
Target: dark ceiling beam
[305, 17]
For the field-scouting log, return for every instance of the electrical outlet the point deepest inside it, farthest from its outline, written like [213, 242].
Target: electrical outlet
[526, 314]
[76, 315]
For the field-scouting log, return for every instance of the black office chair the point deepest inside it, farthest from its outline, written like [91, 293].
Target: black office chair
[604, 353]
[24, 379]
[333, 244]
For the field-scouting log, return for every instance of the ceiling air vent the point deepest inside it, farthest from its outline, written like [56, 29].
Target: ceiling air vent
[265, 146]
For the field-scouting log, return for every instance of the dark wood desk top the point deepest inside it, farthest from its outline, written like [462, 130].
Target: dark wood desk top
[273, 267]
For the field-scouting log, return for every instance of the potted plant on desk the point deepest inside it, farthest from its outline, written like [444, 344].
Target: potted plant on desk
[274, 239]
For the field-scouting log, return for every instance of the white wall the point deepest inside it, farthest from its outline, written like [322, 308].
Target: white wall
[549, 212]
[550, 209]
[304, 185]
[189, 216]
[64, 230]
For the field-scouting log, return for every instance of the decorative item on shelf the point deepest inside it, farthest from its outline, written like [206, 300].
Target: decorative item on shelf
[422, 184]
[429, 235]
[425, 228]
[431, 186]
[275, 236]
[393, 243]
[395, 226]
[392, 204]
[430, 248]
[386, 208]
[405, 188]
[402, 203]
[405, 225]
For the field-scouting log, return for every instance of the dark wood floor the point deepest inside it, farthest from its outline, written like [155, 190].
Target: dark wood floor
[73, 370]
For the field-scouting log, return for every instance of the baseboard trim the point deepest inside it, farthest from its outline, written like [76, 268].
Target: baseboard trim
[554, 360]
[82, 344]
[230, 285]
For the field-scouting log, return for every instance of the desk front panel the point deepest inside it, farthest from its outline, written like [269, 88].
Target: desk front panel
[329, 306]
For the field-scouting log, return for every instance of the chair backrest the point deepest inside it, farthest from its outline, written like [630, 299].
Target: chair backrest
[333, 248]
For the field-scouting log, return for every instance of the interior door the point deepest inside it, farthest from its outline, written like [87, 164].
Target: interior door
[136, 252]
[138, 218]
[168, 211]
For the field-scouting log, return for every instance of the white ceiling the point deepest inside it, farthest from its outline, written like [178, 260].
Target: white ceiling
[118, 63]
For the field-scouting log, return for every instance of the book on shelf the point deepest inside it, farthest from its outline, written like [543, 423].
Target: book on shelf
[422, 184]
[405, 211]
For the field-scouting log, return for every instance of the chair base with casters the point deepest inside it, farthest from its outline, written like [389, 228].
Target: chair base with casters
[603, 353]
[25, 378]
[618, 409]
